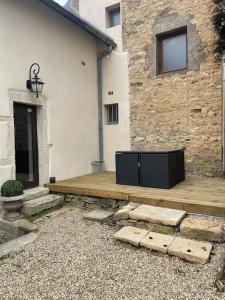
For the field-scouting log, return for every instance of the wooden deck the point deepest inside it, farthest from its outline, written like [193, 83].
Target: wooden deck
[195, 194]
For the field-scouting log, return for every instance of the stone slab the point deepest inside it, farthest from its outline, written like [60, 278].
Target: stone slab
[190, 250]
[158, 215]
[157, 241]
[131, 235]
[16, 244]
[98, 215]
[35, 193]
[35, 206]
[201, 229]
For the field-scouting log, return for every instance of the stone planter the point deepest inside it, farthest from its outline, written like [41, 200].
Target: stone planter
[12, 207]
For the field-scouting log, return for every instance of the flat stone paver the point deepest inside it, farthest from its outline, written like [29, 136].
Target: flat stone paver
[158, 215]
[131, 235]
[98, 215]
[190, 250]
[157, 241]
[200, 229]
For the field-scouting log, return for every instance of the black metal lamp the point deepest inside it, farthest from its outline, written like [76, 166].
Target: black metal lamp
[35, 84]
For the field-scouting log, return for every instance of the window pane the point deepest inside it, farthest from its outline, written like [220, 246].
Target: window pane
[174, 53]
[114, 16]
[110, 114]
[114, 113]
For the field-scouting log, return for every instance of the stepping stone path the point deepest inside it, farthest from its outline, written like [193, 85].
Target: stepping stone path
[131, 235]
[157, 241]
[190, 250]
[98, 215]
[200, 229]
[158, 215]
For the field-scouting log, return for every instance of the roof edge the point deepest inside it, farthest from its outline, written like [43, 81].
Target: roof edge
[81, 22]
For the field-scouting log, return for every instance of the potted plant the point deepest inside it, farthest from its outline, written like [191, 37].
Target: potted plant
[12, 197]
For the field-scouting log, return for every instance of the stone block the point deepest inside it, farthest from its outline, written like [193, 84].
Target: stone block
[35, 206]
[190, 250]
[157, 241]
[123, 213]
[34, 193]
[131, 235]
[98, 215]
[201, 229]
[158, 215]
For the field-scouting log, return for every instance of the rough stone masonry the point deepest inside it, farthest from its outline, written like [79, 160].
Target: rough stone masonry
[181, 108]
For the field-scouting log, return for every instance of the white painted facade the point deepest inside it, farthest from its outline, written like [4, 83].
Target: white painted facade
[67, 111]
[115, 78]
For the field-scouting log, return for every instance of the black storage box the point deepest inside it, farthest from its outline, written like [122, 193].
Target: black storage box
[156, 169]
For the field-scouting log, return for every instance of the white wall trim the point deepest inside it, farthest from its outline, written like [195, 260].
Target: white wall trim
[25, 97]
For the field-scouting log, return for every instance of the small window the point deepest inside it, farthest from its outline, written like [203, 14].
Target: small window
[172, 51]
[111, 114]
[113, 15]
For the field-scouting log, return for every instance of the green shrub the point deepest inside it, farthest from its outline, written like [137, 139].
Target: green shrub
[12, 188]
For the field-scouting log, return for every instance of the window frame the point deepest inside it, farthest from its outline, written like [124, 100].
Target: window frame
[109, 11]
[107, 114]
[159, 51]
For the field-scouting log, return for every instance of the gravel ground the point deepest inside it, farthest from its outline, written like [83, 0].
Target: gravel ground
[76, 259]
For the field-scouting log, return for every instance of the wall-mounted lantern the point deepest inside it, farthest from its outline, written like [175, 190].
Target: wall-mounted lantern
[35, 84]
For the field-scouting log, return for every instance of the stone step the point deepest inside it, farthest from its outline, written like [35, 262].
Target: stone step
[158, 215]
[35, 193]
[190, 250]
[35, 206]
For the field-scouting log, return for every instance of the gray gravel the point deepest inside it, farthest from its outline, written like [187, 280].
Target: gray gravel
[76, 259]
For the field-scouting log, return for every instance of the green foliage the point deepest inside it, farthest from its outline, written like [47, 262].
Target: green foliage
[12, 188]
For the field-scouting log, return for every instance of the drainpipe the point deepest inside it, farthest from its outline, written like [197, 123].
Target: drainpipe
[223, 114]
[98, 166]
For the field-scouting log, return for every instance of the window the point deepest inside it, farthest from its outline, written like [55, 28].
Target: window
[111, 114]
[172, 51]
[113, 15]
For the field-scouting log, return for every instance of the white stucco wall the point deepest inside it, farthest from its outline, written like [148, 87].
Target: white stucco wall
[30, 32]
[115, 78]
[95, 12]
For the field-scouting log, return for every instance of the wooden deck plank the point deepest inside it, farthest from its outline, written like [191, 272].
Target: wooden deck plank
[195, 194]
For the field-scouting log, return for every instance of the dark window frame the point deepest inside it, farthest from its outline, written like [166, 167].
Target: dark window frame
[115, 119]
[109, 11]
[159, 51]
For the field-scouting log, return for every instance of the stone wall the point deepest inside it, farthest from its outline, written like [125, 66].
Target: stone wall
[182, 108]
